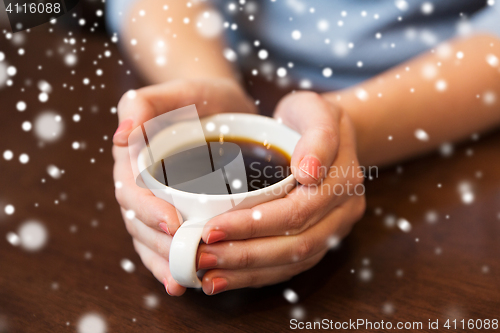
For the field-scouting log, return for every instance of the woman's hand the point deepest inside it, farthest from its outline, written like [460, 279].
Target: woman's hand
[149, 220]
[274, 241]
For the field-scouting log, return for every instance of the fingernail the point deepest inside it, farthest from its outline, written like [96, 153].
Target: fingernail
[165, 283]
[218, 285]
[311, 166]
[207, 260]
[124, 126]
[164, 227]
[215, 236]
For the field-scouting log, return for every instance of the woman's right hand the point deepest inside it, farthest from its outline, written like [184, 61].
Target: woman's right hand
[152, 221]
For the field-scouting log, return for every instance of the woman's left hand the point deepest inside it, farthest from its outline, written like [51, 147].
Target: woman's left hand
[275, 241]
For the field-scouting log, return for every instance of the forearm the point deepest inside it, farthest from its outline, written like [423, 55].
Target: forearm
[433, 92]
[168, 48]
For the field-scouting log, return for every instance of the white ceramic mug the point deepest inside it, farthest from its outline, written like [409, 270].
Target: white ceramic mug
[198, 209]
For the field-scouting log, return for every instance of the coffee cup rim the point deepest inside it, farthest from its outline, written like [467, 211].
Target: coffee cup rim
[231, 116]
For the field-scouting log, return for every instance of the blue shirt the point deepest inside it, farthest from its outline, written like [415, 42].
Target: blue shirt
[333, 44]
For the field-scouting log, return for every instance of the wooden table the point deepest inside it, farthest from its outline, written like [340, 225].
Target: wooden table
[447, 266]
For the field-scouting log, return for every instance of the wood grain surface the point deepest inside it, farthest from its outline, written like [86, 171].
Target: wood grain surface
[447, 266]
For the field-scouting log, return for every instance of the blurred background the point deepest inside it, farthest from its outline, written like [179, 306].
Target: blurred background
[427, 247]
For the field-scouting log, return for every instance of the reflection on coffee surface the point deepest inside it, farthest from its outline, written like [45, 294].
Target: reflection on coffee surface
[264, 164]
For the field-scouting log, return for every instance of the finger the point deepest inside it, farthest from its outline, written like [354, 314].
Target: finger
[302, 207]
[160, 269]
[219, 280]
[285, 216]
[317, 121]
[291, 215]
[209, 96]
[255, 253]
[158, 242]
[140, 202]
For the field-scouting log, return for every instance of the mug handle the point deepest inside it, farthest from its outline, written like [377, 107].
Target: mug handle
[183, 250]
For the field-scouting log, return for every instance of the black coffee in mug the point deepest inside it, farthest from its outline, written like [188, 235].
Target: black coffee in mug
[264, 164]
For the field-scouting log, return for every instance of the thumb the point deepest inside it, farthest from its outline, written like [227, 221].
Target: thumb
[138, 106]
[318, 122]
[133, 110]
[209, 95]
